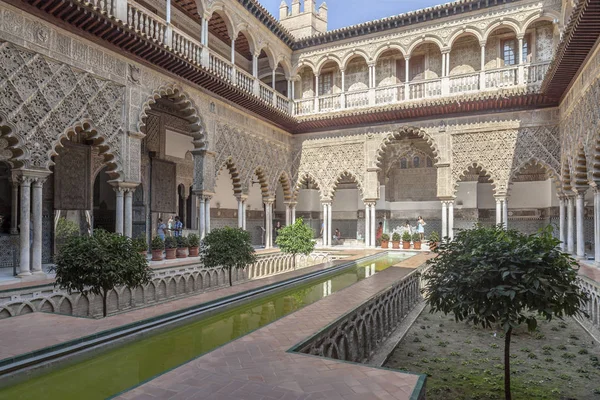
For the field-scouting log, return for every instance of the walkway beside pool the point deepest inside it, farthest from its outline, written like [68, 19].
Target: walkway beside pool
[35, 331]
[258, 366]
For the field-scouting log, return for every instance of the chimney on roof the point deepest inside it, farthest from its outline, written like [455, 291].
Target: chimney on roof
[305, 23]
[283, 10]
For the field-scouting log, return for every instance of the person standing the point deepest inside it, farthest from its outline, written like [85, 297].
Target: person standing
[170, 226]
[407, 227]
[177, 227]
[421, 228]
[379, 233]
[160, 229]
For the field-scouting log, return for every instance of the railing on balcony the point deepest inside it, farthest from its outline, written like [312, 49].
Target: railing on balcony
[266, 92]
[329, 102]
[146, 23]
[304, 106]
[357, 98]
[220, 66]
[187, 48]
[105, 6]
[282, 103]
[502, 77]
[244, 80]
[464, 83]
[534, 73]
[425, 88]
[389, 94]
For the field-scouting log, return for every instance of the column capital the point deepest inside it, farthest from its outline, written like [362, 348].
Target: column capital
[269, 201]
[482, 43]
[326, 201]
[241, 197]
[290, 203]
[445, 50]
[370, 203]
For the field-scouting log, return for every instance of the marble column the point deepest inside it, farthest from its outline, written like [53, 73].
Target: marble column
[240, 212]
[119, 211]
[561, 223]
[597, 226]
[293, 213]
[451, 219]
[128, 223]
[14, 218]
[444, 220]
[244, 208]
[25, 183]
[570, 231]
[498, 211]
[288, 214]
[325, 222]
[202, 212]
[367, 225]
[268, 224]
[579, 224]
[373, 223]
[505, 213]
[207, 214]
[329, 223]
[194, 212]
[37, 212]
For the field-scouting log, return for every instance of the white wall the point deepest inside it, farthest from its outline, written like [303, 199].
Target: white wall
[255, 199]
[467, 194]
[485, 196]
[530, 194]
[308, 200]
[346, 200]
[224, 194]
[177, 144]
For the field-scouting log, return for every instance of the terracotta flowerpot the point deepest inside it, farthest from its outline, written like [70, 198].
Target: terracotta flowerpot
[433, 245]
[385, 244]
[417, 245]
[406, 245]
[194, 251]
[182, 252]
[170, 254]
[396, 245]
[157, 255]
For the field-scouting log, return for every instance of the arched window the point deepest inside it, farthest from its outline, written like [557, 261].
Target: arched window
[429, 162]
[416, 162]
[403, 163]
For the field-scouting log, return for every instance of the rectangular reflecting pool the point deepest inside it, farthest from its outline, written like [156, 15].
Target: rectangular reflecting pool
[119, 369]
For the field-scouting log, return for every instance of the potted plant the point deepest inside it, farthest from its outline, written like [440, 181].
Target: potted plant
[396, 240]
[434, 240]
[385, 241]
[406, 240]
[158, 246]
[182, 247]
[194, 243]
[416, 241]
[170, 247]
[139, 244]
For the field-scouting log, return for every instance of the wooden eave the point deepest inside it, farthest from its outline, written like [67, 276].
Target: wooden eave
[579, 39]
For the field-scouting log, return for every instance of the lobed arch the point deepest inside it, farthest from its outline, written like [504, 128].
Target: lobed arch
[112, 161]
[352, 55]
[325, 59]
[286, 184]
[16, 144]
[402, 133]
[388, 46]
[465, 32]
[339, 177]
[234, 174]
[505, 23]
[566, 175]
[262, 180]
[304, 178]
[185, 104]
[553, 173]
[580, 177]
[476, 166]
[425, 39]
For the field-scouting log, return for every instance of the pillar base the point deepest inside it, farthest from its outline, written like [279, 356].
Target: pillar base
[22, 274]
[38, 273]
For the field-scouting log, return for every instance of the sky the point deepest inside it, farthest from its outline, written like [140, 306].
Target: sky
[342, 13]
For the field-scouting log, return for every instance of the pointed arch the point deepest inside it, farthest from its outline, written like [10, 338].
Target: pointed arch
[245, 30]
[342, 174]
[474, 166]
[304, 178]
[554, 175]
[402, 133]
[185, 105]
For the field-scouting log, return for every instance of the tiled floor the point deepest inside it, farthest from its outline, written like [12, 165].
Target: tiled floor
[258, 366]
[35, 331]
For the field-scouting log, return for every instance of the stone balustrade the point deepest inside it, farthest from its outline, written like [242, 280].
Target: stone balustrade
[356, 335]
[167, 284]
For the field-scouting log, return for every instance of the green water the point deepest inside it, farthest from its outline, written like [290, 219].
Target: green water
[131, 364]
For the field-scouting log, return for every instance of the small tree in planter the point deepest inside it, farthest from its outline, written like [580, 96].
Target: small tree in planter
[416, 241]
[140, 245]
[295, 239]
[99, 263]
[489, 276]
[434, 240]
[170, 247]
[406, 240]
[158, 246]
[228, 248]
[64, 230]
[396, 240]
[194, 242]
[182, 247]
[385, 241]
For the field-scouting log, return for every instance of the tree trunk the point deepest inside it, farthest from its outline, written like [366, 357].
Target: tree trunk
[294, 260]
[507, 394]
[104, 298]
[230, 284]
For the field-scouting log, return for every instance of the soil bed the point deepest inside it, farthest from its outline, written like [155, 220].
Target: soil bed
[559, 361]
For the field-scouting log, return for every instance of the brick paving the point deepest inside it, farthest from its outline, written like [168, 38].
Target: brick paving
[30, 332]
[258, 366]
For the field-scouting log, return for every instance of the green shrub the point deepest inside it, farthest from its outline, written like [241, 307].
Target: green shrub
[170, 242]
[406, 236]
[295, 239]
[158, 243]
[182, 242]
[434, 237]
[229, 248]
[99, 263]
[416, 237]
[139, 244]
[194, 240]
[385, 237]
[64, 230]
[396, 237]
